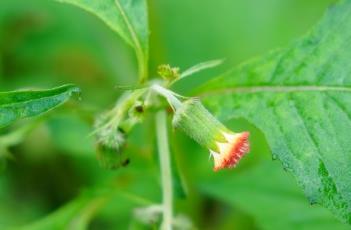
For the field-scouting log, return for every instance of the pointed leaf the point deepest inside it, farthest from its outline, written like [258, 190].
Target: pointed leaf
[17, 105]
[201, 66]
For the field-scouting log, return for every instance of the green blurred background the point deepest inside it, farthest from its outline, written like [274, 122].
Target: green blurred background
[54, 178]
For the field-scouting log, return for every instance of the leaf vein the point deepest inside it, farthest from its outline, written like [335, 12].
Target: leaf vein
[276, 89]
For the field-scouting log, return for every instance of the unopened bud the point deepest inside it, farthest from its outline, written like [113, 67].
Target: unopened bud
[112, 129]
[167, 72]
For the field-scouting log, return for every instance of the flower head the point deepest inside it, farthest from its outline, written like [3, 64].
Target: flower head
[230, 151]
[226, 147]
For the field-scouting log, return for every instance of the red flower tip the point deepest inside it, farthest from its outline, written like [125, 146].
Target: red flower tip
[232, 151]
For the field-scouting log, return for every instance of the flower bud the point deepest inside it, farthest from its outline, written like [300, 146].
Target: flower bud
[109, 142]
[112, 129]
[225, 146]
[167, 72]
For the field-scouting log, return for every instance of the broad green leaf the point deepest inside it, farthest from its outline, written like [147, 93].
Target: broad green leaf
[128, 18]
[271, 197]
[300, 97]
[17, 105]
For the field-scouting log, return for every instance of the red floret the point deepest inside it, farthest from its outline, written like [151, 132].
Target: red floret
[237, 149]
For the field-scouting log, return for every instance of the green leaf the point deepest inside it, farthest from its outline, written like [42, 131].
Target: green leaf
[197, 68]
[17, 105]
[267, 185]
[300, 97]
[128, 18]
[201, 66]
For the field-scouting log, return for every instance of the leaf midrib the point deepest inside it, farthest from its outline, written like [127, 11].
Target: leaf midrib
[135, 39]
[275, 89]
[132, 32]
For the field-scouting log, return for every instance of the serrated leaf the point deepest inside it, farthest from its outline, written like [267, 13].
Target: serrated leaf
[17, 105]
[267, 185]
[300, 97]
[128, 18]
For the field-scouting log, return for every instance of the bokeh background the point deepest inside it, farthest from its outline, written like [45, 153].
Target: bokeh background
[53, 177]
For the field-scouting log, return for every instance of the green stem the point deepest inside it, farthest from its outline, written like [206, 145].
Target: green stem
[169, 95]
[165, 168]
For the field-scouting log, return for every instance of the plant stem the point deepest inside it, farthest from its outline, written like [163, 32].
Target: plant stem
[165, 168]
[169, 95]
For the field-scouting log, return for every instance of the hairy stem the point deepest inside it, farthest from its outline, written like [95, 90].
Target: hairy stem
[165, 167]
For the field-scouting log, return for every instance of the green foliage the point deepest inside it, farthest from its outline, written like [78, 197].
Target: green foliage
[273, 199]
[300, 98]
[200, 67]
[303, 112]
[128, 19]
[22, 104]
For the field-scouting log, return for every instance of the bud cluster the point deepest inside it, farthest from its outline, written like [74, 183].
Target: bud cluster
[168, 73]
[113, 127]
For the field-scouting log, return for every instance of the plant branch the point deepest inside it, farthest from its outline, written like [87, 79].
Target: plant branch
[165, 168]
